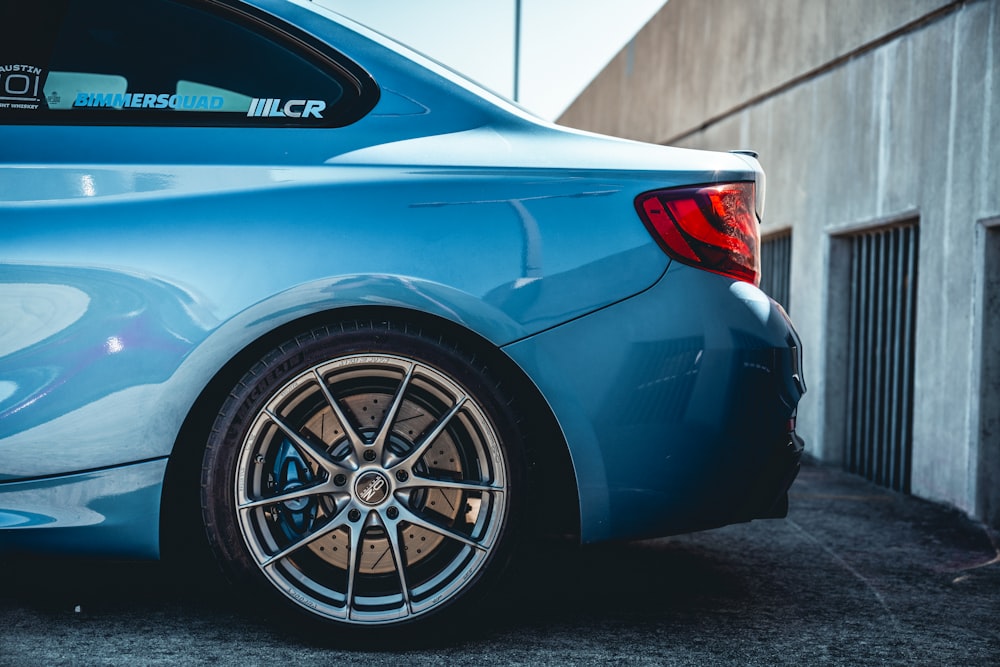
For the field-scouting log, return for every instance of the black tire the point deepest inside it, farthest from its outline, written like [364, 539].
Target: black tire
[400, 517]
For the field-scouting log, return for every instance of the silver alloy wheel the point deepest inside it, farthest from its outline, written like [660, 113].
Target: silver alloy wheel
[371, 489]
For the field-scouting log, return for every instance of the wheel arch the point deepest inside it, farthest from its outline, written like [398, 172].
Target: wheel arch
[551, 478]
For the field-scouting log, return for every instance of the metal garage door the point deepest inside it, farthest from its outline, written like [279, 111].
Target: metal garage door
[880, 354]
[775, 266]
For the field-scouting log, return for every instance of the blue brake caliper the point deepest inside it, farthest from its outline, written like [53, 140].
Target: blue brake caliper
[295, 517]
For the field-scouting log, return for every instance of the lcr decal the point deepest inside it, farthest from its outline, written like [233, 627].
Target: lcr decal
[270, 107]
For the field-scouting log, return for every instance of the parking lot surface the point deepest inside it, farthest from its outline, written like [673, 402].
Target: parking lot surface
[856, 575]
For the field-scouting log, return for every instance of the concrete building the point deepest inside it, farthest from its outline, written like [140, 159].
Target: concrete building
[878, 124]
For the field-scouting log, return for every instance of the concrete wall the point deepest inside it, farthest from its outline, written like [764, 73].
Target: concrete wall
[864, 113]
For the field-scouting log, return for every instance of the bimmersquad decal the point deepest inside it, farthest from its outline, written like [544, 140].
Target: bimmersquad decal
[149, 101]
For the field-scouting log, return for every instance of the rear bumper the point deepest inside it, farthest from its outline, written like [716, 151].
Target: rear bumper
[676, 405]
[768, 498]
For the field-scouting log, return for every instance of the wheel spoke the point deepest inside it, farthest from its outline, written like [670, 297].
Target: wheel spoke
[408, 516]
[357, 443]
[429, 439]
[390, 414]
[317, 488]
[326, 529]
[353, 560]
[391, 529]
[304, 447]
[427, 483]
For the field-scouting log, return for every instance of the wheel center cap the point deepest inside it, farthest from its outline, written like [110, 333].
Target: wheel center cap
[372, 488]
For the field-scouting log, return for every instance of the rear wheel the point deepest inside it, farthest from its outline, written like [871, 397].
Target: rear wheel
[368, 477]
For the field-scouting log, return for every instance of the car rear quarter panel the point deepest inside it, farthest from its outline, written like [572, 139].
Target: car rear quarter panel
[671, 402]
[173, 270]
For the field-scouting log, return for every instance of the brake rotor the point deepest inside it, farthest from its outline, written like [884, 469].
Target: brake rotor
[442, 460]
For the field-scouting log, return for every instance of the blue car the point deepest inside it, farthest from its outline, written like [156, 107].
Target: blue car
[272, 281]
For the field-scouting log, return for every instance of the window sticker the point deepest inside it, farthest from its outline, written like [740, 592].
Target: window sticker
[63, 88]
[87, 90]
[20, 86]
[270, 107]
[90, 99]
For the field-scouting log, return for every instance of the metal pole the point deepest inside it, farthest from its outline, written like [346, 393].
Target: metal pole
[517, 48]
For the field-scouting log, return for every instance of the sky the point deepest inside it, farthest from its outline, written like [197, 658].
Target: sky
[564, 43]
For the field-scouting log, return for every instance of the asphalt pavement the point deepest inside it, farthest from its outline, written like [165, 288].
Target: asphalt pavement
[856, 575]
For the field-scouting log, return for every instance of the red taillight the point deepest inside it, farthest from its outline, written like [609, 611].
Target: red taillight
[711, 227]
